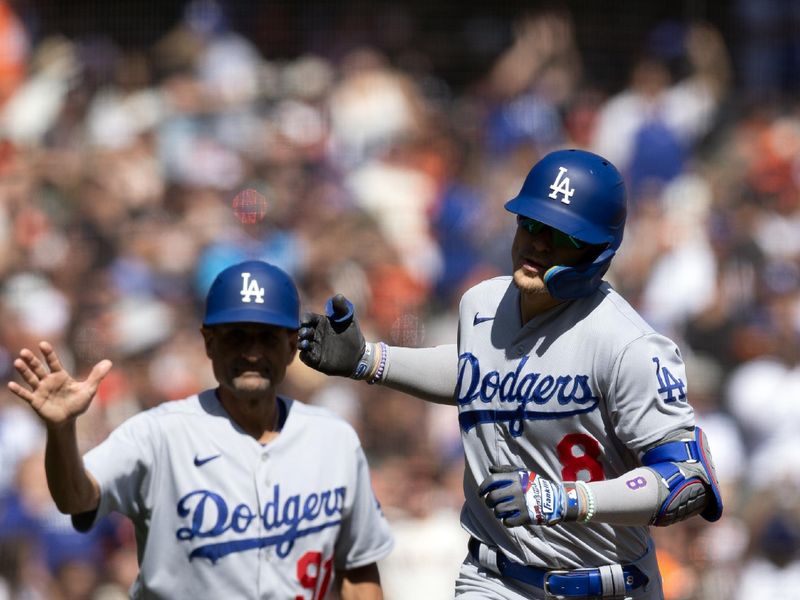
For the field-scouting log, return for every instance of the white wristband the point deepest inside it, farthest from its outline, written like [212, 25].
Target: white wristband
[591, 506]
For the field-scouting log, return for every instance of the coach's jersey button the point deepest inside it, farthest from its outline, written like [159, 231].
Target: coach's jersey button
[264, 457]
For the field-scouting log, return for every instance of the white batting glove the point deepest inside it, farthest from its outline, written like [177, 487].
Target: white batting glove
[521, 497]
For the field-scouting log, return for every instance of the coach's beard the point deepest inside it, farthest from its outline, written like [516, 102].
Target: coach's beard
[253, 382]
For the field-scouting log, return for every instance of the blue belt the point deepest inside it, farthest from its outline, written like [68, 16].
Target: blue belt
[578, 583]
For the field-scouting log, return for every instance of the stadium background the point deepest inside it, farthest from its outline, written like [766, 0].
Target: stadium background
[367, 148]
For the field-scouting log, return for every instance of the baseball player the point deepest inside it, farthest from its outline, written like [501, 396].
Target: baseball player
[226, 489]
[573, 411]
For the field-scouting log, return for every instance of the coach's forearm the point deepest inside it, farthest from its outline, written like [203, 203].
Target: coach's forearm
[73, 489]
[363, 583]
[427, 373]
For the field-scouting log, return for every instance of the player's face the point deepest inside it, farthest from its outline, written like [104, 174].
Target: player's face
[533, 253]
[249, 359]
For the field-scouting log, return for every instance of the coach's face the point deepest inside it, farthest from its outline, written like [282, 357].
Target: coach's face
[249, 359]
[532, 254]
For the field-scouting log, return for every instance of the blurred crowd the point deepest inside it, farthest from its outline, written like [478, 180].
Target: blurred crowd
[130, 177]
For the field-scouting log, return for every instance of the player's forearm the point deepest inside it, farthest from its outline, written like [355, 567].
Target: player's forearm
[73, 489]
[427, 373]
[362, 583]
[632, 499]
[676, 483]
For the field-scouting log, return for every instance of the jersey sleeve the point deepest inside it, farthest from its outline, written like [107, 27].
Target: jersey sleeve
[427, 373]
[365, 536]
[122, 465]
[648, 396]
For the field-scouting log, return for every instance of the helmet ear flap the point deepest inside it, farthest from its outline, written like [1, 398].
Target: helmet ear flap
[568, 283]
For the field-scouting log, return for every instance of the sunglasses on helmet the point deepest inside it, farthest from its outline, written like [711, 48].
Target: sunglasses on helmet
[560, 239]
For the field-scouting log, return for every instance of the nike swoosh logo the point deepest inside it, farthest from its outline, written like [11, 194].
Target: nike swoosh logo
[478, 320]
[199, 462]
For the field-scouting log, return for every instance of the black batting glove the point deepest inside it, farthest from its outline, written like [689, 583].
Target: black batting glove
[332, 343]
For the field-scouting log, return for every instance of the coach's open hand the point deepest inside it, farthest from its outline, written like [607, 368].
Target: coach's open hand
[55, 396]
[332, 344]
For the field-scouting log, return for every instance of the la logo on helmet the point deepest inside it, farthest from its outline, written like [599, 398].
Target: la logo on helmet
[250, 288]
[561, 186]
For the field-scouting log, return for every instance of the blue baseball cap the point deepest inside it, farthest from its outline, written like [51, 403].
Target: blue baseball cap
[253, 292]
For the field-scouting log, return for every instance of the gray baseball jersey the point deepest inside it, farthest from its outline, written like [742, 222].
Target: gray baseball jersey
[219, 515]
[576, 393]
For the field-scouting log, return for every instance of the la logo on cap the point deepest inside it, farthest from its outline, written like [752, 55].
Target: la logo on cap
[561, 185]
[251, 288]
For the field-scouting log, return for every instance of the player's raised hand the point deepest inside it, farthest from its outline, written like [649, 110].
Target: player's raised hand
[521, 497]
[51, 391]
[332, 343]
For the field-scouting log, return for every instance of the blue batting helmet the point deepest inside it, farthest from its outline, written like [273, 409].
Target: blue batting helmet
[253, 292]
[583, 195]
